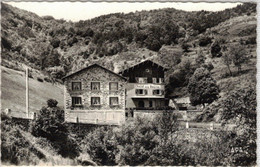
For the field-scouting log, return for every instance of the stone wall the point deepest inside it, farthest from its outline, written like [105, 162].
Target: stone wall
[101, 112]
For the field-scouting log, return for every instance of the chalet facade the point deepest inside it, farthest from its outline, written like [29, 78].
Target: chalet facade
[94, 95]
[145, 89]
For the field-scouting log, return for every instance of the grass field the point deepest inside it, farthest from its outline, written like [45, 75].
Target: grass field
[13, 91]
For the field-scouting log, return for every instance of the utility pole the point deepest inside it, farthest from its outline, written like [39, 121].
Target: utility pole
[27, 91]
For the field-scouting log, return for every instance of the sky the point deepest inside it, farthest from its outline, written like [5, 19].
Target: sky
[76, 11]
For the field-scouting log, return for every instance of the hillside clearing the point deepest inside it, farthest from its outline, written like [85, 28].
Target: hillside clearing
[13, 91]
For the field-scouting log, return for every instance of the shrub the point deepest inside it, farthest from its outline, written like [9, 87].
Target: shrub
[55, 42]
[47, 79]
[185, 47]
[204, 41]
[39, 79]
[48, 18]
[72, 41]
[251, 40]
[216, 50]
[52, 103]
[208, 66]
[6, 43]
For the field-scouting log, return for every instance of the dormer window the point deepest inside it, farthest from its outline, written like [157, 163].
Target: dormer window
[141, 79]
[158, 80]
[76, 85]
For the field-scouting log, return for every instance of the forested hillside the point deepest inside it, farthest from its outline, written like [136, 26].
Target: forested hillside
[211, 57]
[170, 37]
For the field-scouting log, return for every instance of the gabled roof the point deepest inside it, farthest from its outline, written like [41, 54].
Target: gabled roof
[146, 61]
[93, 66]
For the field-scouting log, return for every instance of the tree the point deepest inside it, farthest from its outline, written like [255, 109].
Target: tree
[227, 61]
[50, 124]
[170, 57]
[200, 59]
[202, 87]
[215, 49]
[238, 55]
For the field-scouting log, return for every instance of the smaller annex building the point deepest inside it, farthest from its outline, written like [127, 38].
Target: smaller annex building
[94, 95]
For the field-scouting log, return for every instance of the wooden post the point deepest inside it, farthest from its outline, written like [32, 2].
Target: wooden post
[27, 91]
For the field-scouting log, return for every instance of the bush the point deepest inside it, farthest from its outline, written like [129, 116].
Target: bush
[216, 50]
[72, 41]
[185, 47]
[55, 42]
[204, 41]
[39, 79]
[250, 40]
[52, 103]
[46, 79]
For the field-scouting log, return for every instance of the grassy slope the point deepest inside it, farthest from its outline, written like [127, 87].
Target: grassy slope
[13, 91]
[232, 30]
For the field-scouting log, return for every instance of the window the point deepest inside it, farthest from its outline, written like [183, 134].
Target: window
[141, 80]
[141, 92]
[76, 101]
[158, 92]
[158, 80]
[150, 103]
[113, 101]
[95, 101]
[113, 86]
[76, 85]
[95, 85]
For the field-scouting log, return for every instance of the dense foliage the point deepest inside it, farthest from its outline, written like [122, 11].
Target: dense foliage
[45, 42]
[202, 87]
[159, 142]
[49, 124]
[238, 107]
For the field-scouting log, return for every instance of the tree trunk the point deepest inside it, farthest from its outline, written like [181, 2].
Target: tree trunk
[229, 70]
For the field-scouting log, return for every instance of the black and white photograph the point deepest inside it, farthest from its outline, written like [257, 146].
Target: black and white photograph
[128, 83]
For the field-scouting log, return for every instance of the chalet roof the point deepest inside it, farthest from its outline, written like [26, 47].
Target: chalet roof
[146, 61]
[90, 67]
